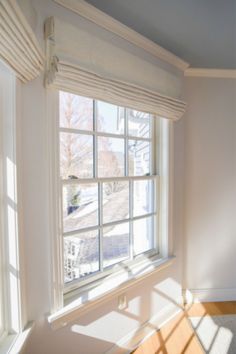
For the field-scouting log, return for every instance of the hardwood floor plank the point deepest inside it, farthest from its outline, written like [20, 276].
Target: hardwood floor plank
[177, 336]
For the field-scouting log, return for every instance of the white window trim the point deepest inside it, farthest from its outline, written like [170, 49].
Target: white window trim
[62, 314]
[11, 198]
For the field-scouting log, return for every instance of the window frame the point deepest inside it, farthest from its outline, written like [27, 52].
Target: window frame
[152, 176]
[163, 156]
[12, 275]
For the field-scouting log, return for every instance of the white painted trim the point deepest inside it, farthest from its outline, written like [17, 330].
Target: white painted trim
[72, 311]
[210, 73]
[15, 343]
[166, 187]
[209, 295]
[108, 179]
[103, 20]
[62, 315]
[56, 246]
[20, 209]
[14, 289]
[136, 337]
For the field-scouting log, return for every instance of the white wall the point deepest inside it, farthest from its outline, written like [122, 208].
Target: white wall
[210, 188]
[99, 330]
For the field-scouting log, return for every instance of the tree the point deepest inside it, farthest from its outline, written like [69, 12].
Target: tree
[76, 150]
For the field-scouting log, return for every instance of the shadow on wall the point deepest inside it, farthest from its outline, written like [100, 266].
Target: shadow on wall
[107, 329]
[144, 305]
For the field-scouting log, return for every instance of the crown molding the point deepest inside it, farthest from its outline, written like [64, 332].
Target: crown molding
[107, 22]
[211, 73]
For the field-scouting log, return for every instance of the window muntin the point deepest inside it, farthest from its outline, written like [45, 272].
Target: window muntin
[108, 186]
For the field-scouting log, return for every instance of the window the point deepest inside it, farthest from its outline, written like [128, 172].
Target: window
[109, 184]
[11, 268]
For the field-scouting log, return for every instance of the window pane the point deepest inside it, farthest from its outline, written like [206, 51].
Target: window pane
[110, 157]
[143, 197]
[139, 123]
[143, 235]
[80, 206]
[110, 118]
[76, 112]
[76, 155]
[115, 244]
[115, 201]
[139, 158]
[81, 255]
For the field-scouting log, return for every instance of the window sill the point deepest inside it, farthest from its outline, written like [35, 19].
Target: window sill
[88, 300]
[15, 343]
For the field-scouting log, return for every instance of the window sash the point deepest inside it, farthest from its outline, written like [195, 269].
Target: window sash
[132, 258]
[153, 168]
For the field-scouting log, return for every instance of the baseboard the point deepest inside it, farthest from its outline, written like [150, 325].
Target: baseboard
[209, 295]
[133, 339]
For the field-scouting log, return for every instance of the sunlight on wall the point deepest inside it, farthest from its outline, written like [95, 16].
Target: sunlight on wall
[11, 219]
[99, 329]
[146, 311]
[11, 229]
[11, 173]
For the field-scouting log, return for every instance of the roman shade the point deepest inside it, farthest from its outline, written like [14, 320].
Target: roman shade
[87, 60]
[19, 47]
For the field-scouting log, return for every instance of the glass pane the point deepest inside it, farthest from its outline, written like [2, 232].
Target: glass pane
[76, 155]
[139, 123]
[110, 118]
[81, 255]
[139, 158]
[143, 197]
[143, 235]
[110, 157]
[115, 201]
[80, 206]
[115, 244]
[76, 112]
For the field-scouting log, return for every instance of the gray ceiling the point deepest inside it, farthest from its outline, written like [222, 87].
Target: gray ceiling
[202, 32]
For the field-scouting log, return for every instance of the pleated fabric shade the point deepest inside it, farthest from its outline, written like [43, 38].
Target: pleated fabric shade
[19, 47]
[87, 61]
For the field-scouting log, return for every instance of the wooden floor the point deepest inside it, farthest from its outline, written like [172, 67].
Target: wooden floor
[177, 336]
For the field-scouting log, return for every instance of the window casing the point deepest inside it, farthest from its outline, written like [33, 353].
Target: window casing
[108, 188]
[12, 305]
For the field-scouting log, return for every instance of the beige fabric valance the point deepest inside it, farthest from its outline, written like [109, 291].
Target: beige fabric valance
[19, 47]
[87, 61]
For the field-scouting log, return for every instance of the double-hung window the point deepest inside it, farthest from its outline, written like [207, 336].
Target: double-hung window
[12, 318]
[109, 185]
[113, 197]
